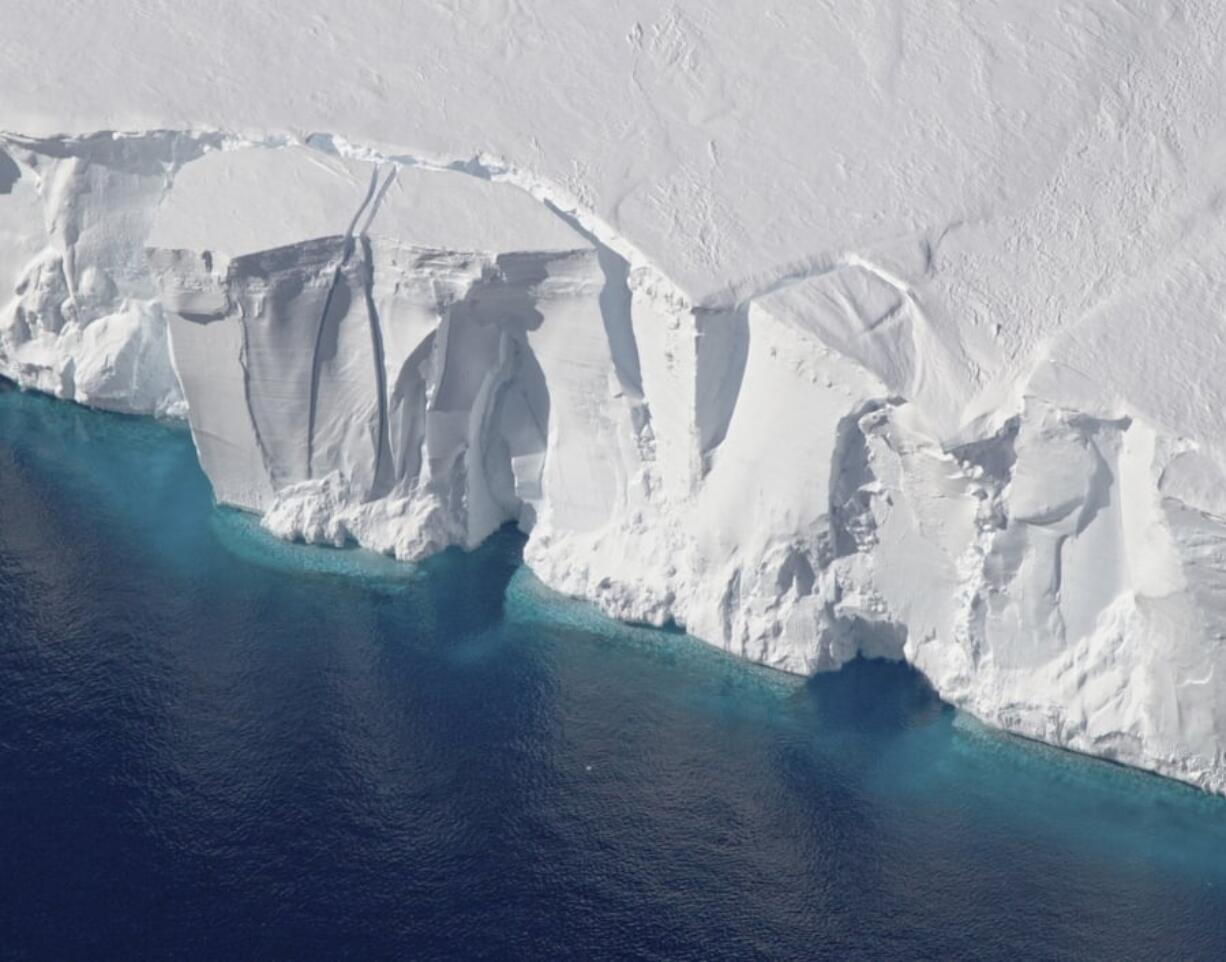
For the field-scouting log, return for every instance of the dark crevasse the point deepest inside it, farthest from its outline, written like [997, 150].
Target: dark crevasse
[214, 744]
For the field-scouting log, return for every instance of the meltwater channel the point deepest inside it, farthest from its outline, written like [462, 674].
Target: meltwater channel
[217, 745]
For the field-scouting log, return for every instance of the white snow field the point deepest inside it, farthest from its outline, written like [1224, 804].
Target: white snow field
[817, 328]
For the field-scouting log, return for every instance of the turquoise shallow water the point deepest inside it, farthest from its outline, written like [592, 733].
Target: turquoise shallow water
[217, 745]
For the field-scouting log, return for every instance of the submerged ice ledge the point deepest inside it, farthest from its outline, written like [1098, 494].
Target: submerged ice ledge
[801, 468]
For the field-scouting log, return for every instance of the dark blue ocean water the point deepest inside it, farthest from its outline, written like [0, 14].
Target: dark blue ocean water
[214, 746]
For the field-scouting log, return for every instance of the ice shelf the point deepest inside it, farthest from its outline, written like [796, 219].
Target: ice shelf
[817, 332]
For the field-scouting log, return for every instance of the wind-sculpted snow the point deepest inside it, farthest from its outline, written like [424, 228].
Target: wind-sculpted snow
[828, 333]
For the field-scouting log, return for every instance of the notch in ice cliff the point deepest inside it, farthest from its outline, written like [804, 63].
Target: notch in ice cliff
[804, 467]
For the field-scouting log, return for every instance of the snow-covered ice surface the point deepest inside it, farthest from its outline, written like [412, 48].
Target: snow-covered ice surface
[818, 329]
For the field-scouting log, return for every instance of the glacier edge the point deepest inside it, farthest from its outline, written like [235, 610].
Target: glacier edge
[798, 469]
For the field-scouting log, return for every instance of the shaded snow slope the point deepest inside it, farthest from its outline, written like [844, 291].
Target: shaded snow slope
[817, 331]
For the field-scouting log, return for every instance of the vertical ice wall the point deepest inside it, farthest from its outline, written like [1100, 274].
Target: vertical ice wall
[81, 319]
[800, 471]
[427, 361]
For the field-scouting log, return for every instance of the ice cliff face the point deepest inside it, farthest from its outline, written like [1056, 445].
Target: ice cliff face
[418, 367]
[816, 329]
[82, 319]
[406, 356]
